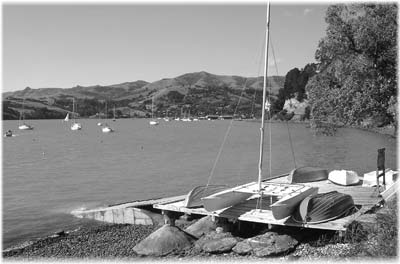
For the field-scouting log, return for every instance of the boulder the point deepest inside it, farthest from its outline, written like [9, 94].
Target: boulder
[203, 226]
[219, 245]
[270, 243]
[216, 242]
[166, 240]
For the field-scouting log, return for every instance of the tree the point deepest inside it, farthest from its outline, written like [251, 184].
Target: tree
[357, 63]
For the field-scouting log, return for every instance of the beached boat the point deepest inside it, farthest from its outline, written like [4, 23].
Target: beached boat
[193, 198]
[307, 174]
[286, 197]
[344, 177]
[323, 207]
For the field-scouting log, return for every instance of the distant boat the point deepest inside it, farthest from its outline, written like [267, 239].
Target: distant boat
[8, 133]
[75, 126]
[21, 124]
[66, 119]
[114, 114]
[307, 174]
[323, 207]
[106, 128]
[343, 177]
[153, 122]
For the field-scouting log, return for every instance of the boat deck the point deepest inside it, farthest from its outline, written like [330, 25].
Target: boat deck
[364, 197]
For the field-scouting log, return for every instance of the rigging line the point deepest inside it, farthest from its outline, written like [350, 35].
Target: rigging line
[226, 135]
[287, 125]
[230, 124]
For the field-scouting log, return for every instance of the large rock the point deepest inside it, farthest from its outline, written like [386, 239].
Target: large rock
[216, 242]
[164, 241]
[203, 226]
[270, 243]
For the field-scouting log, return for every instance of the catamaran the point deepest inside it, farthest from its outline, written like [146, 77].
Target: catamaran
[285, 196]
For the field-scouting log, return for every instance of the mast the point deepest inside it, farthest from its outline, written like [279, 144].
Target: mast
[263, 100]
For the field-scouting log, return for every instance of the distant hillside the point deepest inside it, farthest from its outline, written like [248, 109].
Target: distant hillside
[199, 93]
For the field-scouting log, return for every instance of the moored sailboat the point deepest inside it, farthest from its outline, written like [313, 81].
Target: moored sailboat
[75, 126]
[153, 122]
[22, 125]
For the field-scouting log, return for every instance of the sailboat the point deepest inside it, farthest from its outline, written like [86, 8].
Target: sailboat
[284, 197]
[66, 119]
[23, 125]
[152, 122]
[114, 114]
[75, 126]
[98, 116]
[106, 128]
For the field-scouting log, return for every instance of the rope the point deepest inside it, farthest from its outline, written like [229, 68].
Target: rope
[230, 125]
[287, 125]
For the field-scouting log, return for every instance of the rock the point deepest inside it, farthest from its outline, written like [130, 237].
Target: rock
[204, 226]
[242, 248]
[270, 243]
[213, 235]
[219, 245]
[164, 241]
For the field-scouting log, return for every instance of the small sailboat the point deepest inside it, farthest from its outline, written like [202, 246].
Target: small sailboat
[153, 122]
[66, 119]
[344, 177]
[75, 126]
[106, 128]
[284, 197]
[114, 114]
[323, 207]
[21, 124]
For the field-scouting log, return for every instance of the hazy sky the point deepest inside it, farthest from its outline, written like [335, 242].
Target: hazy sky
[62, 46]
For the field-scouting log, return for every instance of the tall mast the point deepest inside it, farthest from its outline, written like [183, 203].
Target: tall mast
[263, 101]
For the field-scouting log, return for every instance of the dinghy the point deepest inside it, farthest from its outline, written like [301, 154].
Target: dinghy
[343, 177]
[323, 207]
[307, 174]
[193, 198]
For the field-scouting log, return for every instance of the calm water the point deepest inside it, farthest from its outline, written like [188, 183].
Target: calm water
[50, 171]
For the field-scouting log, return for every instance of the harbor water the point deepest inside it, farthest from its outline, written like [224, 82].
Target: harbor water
[51, 170]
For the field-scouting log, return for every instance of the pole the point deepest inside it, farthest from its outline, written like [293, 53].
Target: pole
[263, 100]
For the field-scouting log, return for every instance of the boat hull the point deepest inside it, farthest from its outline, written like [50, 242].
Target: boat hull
[307, 174]
[323, 207]
[25, 127]
[224, 199]
[343, 177]
[193, 199]
[288, 204]
[76, 126]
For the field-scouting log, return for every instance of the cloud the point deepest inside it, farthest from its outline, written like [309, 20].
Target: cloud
[306, 11]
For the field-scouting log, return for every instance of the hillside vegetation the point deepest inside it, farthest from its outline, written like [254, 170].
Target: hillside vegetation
[198, 93]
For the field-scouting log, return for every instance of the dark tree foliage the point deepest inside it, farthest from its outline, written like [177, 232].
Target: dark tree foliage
[295, 84]
[358, 65]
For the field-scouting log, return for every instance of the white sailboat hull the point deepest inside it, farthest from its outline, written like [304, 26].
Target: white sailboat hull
[107, 130]
[153, 123]
[76, 126]
[25, 127]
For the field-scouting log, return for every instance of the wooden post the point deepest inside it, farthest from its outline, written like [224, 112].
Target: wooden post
[380, 166]
[169, 217]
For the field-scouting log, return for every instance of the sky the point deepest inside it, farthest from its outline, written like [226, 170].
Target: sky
[63, 45]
